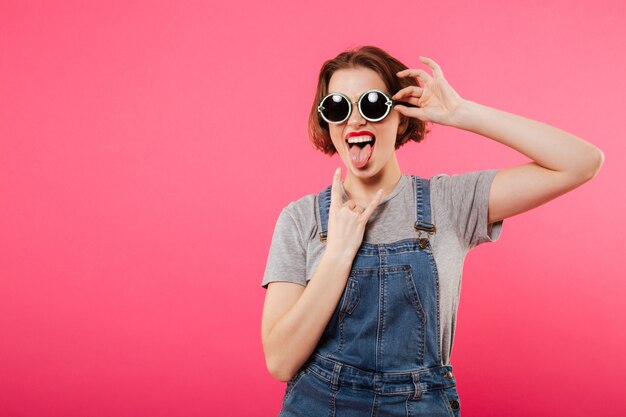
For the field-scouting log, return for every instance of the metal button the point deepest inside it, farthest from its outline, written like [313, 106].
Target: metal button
[448, 375]
[454, 404]
[423, 242]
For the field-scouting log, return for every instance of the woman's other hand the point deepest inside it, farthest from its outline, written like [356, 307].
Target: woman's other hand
[436, 100]
[346, 222]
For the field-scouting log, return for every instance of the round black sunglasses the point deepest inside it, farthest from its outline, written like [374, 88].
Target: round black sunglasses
[374, 105]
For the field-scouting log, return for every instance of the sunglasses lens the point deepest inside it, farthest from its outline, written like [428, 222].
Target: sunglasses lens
[374, 105]
[335, 108]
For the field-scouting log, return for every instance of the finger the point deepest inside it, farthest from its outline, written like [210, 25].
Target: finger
[433, 65]
[412, 100]
[408, 91]
[420, 74]
[414, 112]
[350, 204]
[373, 204]
[335, 191]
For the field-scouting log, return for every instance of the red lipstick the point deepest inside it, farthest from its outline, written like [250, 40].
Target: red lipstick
[361, 133]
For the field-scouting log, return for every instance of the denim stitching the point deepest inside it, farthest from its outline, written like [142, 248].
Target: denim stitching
[289, 389]
[420, 312]
[435, 273]
[381, 261]
[294, 382]
[351, 297]
[408, 407]
[447, 402]
[322, 377]
[341, 334]
[374, 411]
[332, 402]
[382, 295]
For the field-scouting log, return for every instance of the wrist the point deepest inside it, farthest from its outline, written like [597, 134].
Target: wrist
[339, 260]
[465, 115]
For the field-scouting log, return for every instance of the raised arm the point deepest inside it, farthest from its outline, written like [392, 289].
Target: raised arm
[294, 317]
[561, 161]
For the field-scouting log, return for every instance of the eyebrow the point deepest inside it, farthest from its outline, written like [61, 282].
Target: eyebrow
[360, 95]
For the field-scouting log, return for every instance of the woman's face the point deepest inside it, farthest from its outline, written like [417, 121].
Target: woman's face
[374, 158]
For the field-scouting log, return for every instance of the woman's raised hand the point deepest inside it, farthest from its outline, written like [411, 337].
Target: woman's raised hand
[437, 102]
[347, 221]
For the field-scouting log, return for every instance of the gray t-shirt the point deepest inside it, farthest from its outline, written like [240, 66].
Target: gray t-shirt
[459, 208]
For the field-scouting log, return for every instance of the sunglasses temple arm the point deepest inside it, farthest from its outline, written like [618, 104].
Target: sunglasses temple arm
[403, 103]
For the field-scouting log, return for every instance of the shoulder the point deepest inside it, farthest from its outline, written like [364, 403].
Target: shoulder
[463, 200]
[302, 208]
[465, 183]
[456, 196]
[301, 215]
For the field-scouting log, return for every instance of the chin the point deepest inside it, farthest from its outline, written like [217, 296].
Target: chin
[368, 171]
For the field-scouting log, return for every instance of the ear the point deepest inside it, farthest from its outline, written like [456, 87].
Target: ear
[403, 126]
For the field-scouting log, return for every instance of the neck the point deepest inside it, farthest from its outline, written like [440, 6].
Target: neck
[362, 190]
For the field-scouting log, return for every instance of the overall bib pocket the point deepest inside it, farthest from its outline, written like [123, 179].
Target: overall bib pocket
[350, 297]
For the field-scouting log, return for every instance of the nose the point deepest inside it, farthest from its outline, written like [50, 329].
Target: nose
[355, 118]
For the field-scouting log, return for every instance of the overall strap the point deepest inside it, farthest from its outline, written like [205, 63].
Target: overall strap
[422, 208]
[323, 206]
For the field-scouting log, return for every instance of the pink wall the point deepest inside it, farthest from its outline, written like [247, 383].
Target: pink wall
[147, 148]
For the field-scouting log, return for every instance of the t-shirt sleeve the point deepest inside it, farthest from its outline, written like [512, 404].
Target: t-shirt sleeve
[287, 256]
[467, 199]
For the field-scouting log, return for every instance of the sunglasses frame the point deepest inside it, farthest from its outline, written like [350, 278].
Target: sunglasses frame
[389, 102]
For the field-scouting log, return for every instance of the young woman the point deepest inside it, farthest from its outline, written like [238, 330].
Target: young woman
[363, 278]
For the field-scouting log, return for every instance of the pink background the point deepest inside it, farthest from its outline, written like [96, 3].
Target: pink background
[147, 148]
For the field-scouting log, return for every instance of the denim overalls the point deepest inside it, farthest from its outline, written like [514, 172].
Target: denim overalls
[380, 353]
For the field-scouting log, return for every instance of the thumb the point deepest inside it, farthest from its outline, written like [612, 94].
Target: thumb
[413, 112]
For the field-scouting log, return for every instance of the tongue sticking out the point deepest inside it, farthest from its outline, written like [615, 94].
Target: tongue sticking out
[360, 156]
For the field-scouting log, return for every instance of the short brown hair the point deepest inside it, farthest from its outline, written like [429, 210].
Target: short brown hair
[384, 65]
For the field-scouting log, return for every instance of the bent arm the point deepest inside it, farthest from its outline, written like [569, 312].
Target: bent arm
[294, 317]
[561, 161]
